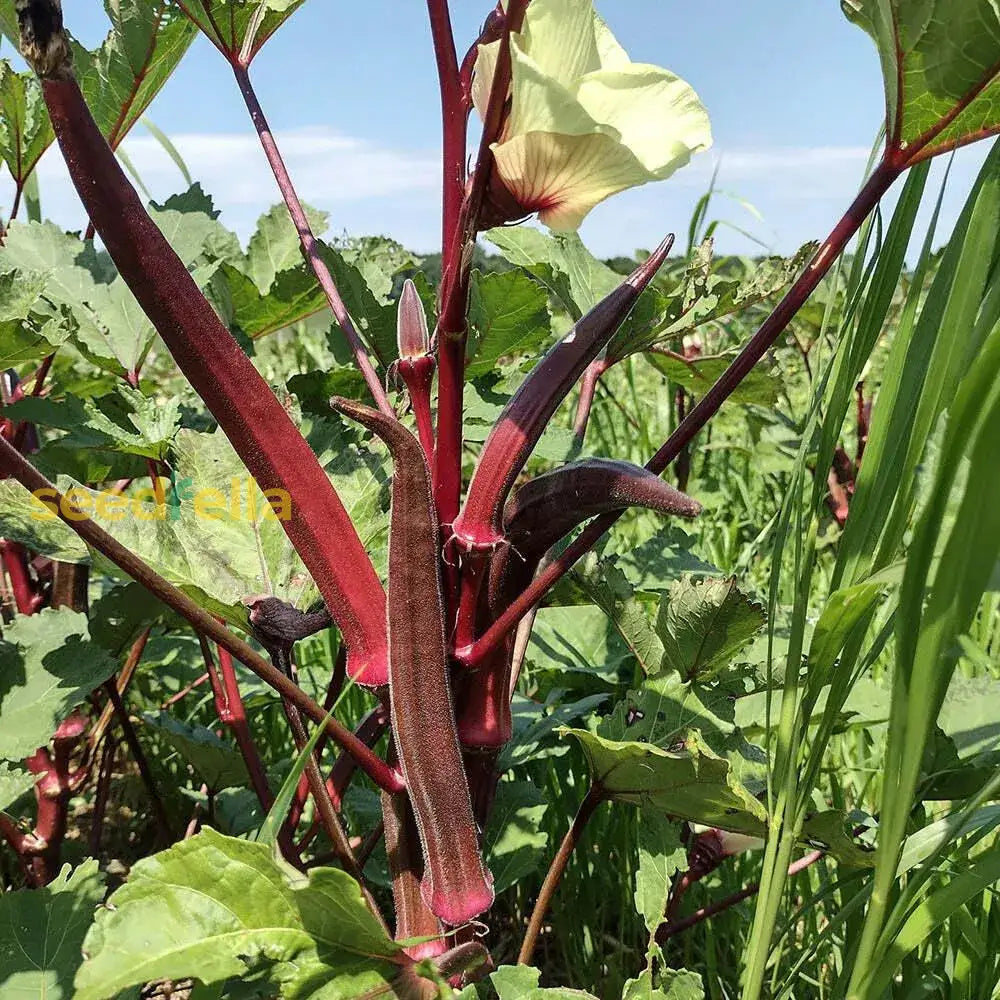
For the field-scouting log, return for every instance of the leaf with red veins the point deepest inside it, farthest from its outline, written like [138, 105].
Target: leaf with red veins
[525, 417]
[456, 883]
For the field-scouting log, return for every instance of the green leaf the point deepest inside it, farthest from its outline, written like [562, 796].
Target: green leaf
[275, 246]
[535, 725]
[25, 129]
[13, 784]
[508, 314]
[217, 763]
[214, 908]
[691, 783]
[294, 295]
[241, 26]
[124, 421]
[941, 64]
[697, 375]
[661, 855]
[43, 932]
[26, 519]
[670, 984]
[970, 714]
[520, 982]
[48, 665]
[706, 295]
[704, 624]
[576, 638]
[147, 40]
[514, 844]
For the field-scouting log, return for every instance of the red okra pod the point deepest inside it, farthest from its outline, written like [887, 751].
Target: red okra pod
[456, 884]
[524, 418]
[250, 415]
[549, 506]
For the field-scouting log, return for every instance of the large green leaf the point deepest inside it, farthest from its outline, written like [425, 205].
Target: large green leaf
[275, 246]
[508, 314]
[667, 984]
[25, 129]
[13, 784]
[217, 764]
[690, 782]
[240, 26]
[520, 982]
[26, 519]
[514, 843]
[704, 624]
[214, 908]
[42, 932]
[48, 665]
[941, 64]
[147, 40]
[576, 638]
[762, 385]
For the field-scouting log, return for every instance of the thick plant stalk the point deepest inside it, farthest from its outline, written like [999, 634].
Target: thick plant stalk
[480, 524]
[452, 329]
[252, 418]
[310, 245]
[456, 884]
[13, 463]
[875, 187]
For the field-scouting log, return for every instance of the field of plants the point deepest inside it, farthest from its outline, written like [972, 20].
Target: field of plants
[505, 623]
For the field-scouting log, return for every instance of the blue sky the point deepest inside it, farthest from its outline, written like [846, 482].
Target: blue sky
[793, 89]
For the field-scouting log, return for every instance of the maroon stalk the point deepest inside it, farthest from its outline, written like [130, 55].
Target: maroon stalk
[13, 463]
[252, 418]
[310, 245]
[588, 389]
[452, 326]
[456, 884]
[875, 187]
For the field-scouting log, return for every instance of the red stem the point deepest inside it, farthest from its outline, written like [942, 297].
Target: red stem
[588, 388]
[15, 562]
[310, 245]
[875, 187]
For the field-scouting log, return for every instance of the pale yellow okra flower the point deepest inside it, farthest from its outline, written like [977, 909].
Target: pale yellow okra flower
[585, 121]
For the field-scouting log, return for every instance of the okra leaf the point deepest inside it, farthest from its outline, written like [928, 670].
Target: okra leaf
[48, 665]
[147, 40]
[576, 639]
[217, 764]
[704, 624]
[40, 949]
[520, 982]
[123, 421]
[508, 315]
[240, 26]
[13, 784]
[515, 844]
[941, 67]
[25, 129]
[705, 292]
[661, 855]
[690, 782]
[762, 385]
[667, 984]
[26, 519]
[213, 908]
[274, 246]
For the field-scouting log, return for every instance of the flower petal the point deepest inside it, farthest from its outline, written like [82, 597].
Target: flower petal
[562, 177]
[560, 36]
[657, 114]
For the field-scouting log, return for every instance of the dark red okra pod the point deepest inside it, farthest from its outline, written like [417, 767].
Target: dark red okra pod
[416, 362]
[456, 884]
[241, 401]
[526, 415]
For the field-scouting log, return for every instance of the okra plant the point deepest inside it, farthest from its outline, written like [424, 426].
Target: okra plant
[334, 599]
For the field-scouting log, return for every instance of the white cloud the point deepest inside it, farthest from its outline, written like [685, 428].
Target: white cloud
[369, 187]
